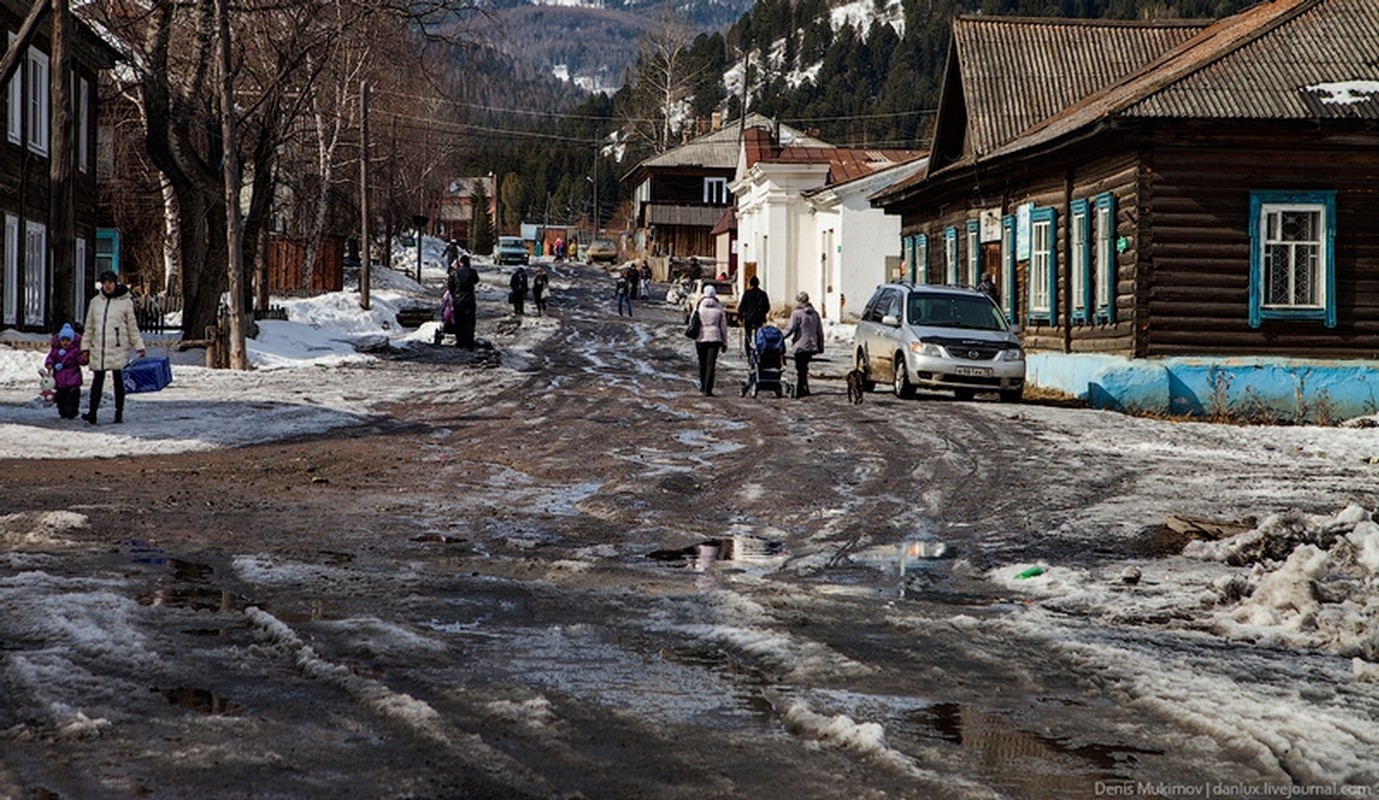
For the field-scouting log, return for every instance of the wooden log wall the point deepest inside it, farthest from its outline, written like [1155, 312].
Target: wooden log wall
[1197, 268]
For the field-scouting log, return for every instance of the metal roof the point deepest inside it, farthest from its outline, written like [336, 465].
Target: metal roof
[1016, 71]
[719, 150]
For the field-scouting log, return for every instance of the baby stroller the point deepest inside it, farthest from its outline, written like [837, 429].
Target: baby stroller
[765, 361]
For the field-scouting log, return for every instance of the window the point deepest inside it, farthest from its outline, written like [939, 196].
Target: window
[950, 256]
[974, 252]
[1292, 263]
[716, 191]
[35, 271]
[11, 276]
[14, 116]
[36, 78]
[1079, 271]
[1009, 264]
[922, 258]
[83, 124]
[1043, 267]
[107, 250]
[1104, 258]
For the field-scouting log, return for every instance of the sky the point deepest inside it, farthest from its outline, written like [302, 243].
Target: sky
[1305, 580]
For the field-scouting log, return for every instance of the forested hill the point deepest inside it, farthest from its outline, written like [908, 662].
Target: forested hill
[875, 80]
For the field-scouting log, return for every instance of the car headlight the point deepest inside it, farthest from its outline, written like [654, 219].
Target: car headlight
[1013, 354]
[926, 349]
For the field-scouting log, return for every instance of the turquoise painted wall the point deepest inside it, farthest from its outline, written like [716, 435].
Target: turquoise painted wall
[1280, 389]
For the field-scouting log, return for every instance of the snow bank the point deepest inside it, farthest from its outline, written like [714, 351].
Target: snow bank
[1313, 583]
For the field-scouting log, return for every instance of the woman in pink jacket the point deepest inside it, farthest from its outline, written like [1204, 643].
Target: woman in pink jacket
[712, 338]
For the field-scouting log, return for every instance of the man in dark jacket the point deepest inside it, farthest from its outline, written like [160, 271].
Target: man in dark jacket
[752, 309]
[518, 295]
[461, 284]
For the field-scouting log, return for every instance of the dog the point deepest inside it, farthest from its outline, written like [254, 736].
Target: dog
[854, 380]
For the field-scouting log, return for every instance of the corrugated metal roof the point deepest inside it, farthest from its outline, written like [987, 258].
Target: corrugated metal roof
[1295, 72]
[1285, 59]
[1017, 71]
[718, 150]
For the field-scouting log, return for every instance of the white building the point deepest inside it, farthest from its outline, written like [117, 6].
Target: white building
[805, 223]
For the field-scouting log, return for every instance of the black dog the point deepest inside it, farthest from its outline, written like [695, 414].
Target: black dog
[854, 379]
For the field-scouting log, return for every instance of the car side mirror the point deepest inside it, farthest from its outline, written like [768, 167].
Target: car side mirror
[891, 321]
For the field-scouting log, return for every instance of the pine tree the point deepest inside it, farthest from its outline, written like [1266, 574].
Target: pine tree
[480, 223]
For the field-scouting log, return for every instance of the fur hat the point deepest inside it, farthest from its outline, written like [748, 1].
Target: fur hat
[109, 276]
[802, 297]
[66, 332]
[709, 291]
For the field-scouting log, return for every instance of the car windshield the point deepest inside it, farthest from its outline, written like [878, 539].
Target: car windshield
[722, 287]
[604, 243]
[509, 241]
[955, 311]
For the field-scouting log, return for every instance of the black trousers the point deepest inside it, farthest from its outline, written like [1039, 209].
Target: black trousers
[68, 402]
[98, 385]
[464, 325]
[708, 363]
[802, 374]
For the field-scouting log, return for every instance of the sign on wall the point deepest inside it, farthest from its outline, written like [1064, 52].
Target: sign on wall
[990, 225]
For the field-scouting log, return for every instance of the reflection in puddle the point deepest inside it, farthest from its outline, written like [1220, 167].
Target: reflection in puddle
[705, 555]
[142, 552]
[1033, 765]
[198, 598]
[189, 570]
[201, 700]
[903, 558]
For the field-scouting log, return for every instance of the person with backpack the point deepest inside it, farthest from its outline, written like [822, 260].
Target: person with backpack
[623, 293]
[806, 332]
[518, 296]
[462, 283]
[752, 309]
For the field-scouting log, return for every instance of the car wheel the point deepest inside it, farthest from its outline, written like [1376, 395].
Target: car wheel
[964, 394]
[1013, 395]
[900, 381]
[859, 362]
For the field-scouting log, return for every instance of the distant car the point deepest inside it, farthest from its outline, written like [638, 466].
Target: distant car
[727, 295]
[510, 250]
[605, 250]
[938, 337]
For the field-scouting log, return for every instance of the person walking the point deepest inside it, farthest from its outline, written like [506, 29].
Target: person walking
[634, 281]
[518, 296]
[752, 309]
[64, 364]
[806, 332]
[451, 254]
[462, 283]
[646, 280]
[111, 331]
[623, 293]
[712, 338]
[539, 282]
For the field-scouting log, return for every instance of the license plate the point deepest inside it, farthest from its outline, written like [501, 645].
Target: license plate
[973, 372]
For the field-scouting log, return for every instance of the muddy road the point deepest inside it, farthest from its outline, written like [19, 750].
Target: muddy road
[594, 583]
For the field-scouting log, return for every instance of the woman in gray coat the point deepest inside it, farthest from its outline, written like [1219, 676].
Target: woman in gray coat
[111, 332]
[806, 331]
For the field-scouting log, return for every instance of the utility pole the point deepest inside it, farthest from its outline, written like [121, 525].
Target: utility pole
[364, 257]
[239, 358]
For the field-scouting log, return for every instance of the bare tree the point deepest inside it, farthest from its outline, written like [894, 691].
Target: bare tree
[661, 82]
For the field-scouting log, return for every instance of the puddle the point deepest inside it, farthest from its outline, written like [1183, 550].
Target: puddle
[201, 700]
[441, 538]
[1036, 766]
[189, 570]
[705, 555]
[198, 598]
[142, 552]
[904, 555]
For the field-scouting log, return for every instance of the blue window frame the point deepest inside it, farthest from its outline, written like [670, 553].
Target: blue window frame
[1080, 270]
[107, 250]
[950, 256]
[1104, 272]
[1043, 267]
[1009, 265]
[974, 252]
[1292, 256]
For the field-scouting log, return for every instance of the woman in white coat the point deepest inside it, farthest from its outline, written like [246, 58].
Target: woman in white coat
[111, 332]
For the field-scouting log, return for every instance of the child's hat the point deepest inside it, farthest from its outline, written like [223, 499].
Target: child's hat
[66, 332]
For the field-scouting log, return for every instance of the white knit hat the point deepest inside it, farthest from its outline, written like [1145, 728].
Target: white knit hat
[709, 291]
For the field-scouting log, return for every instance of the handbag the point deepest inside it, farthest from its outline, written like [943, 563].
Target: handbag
[692, 330]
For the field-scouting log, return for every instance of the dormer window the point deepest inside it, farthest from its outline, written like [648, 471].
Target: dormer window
[716, 191]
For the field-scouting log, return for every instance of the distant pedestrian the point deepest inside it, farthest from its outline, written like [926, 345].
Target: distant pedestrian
[987, 286]
[451, 254]
[806, 331]
[646, 280]
[111, 331]
[695, 271]
[64, 365]
[634, 280]
[465, 306]
[712, 338]
[518, 295]
[623, 293]
[752, 308]
[539, 282]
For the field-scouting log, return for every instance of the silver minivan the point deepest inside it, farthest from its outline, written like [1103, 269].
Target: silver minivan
[938, 337]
